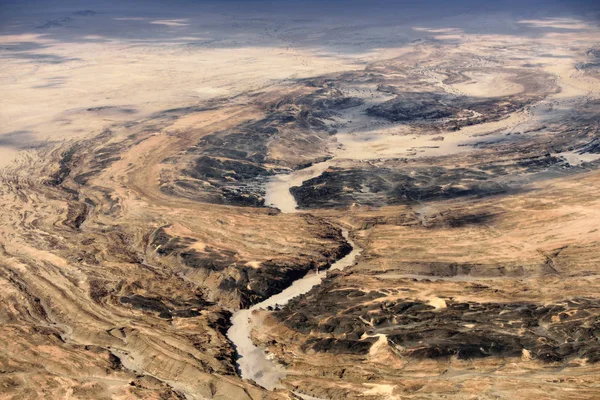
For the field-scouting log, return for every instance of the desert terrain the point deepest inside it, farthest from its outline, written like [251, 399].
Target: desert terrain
[240, 201]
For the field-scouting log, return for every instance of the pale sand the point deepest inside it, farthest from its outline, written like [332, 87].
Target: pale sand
[277, 189]
[51, 100]
[380, 389]
[7, 156]
[575, 158]
[488, 85]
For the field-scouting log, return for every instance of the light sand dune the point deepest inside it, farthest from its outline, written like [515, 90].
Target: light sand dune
[492, 84]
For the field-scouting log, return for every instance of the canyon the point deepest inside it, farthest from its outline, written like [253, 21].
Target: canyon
[227, 202]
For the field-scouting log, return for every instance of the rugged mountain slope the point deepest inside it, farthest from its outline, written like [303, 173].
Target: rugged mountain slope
[463, 164]
[103, 273]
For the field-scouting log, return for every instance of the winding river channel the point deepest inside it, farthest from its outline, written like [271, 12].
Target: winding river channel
[253, 362]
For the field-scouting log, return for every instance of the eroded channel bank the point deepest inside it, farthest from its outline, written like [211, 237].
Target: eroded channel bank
[254, 363]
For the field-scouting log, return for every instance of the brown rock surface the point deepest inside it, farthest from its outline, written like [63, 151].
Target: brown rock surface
[142, 172]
